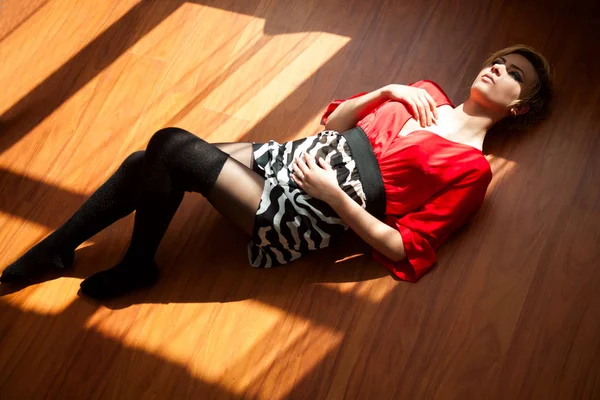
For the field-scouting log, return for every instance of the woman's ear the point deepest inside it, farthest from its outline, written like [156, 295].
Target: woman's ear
[518, 110]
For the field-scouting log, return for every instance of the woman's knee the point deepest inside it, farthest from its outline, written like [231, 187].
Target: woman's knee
[194, 162]
[168, 138]
[137, 157]
[134, 161]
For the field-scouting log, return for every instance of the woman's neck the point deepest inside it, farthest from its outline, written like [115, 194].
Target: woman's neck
[470, 122]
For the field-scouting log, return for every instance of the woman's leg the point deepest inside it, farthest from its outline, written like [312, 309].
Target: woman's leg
[112, 201]
[237, 192]
[176, 161]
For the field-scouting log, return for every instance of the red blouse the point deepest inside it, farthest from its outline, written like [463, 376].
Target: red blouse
[432, 184]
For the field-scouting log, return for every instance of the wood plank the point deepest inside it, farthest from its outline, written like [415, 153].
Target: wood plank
[508, 312]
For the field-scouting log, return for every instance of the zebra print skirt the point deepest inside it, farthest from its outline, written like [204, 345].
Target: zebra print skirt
[289, 223]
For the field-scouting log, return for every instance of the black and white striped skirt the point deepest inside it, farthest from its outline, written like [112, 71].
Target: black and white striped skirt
[289, 223]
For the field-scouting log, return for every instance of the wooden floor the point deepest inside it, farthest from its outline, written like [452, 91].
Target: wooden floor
[510, 311]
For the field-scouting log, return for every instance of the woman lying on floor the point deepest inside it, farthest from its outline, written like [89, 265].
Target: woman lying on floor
[375, 168]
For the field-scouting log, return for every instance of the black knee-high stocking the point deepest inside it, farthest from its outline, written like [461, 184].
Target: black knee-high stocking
[113, 200]
[175, 161]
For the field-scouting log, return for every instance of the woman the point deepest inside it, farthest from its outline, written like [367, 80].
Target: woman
[402, 188]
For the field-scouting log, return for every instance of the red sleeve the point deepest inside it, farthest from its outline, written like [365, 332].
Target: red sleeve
[425, 230]
[335, 104]
[433, 88]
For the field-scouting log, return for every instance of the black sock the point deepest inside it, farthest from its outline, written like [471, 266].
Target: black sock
[37, 262]
[120, 279]
[112, 201]
[175, 161]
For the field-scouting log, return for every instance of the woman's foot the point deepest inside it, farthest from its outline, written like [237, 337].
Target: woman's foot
[121, 279]
[39, 261]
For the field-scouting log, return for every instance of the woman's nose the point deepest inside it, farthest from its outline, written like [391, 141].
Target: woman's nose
[496, 69]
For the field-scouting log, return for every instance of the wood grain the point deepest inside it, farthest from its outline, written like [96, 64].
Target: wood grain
[510, 311]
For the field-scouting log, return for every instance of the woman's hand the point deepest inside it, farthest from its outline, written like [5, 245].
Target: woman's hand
[423, 105]
[319, 182]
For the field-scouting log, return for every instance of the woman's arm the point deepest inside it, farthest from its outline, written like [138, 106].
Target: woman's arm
[377, 234]
[348, 112]
[321, 183]
[351, 111]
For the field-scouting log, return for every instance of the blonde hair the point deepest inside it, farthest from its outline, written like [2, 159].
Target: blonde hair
[541, 94]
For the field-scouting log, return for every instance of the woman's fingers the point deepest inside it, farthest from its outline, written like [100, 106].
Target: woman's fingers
[433, 105]
[301, 164]
[424, 109]
[296, 171]
[310, 160]
[297, 180]
[431, 108]
[418, 110]
[415, 109]
[300, 168]
[324, 164]
[429, 105]
[426, 121]
[422, 112]
[428, 108]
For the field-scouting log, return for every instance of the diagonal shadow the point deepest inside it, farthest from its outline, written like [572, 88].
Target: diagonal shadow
[278, 123]
[102, 51]
[300, 388]
[23, 20]
[81, 363]
[307, 17]
[74, 360]
[45, 98]
[21, 118]
[25, 191]
[33, 108]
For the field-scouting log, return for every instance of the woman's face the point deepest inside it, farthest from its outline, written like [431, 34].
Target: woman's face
[511, 77]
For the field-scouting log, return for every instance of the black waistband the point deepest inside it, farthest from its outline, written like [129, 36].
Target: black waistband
[368, 170]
